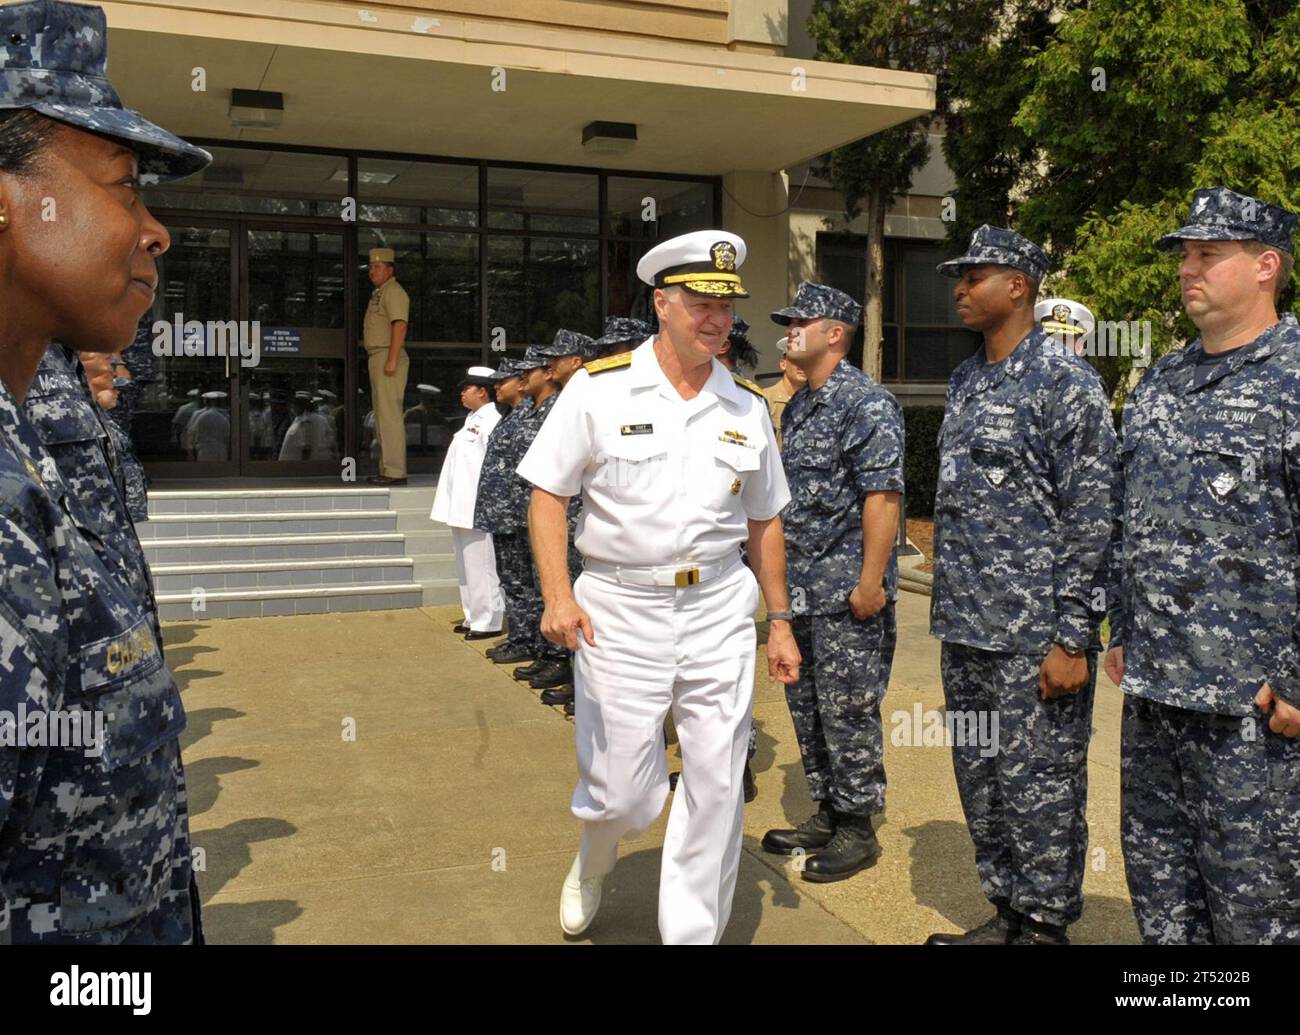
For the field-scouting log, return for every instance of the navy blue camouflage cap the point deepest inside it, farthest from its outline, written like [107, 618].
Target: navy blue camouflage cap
[995, 245]
[1219, 214]
[506, 369]
[813, 301]
[568, 343]
[623, 330]
[532, 359]
[53, 58]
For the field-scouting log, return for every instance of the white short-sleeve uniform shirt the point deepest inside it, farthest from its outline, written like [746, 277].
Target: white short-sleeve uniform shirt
[665, 481]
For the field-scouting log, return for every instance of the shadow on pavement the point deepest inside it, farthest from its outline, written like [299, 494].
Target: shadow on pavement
[247, 923]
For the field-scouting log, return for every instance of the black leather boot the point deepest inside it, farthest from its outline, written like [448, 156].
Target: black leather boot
[552, 673]
[526, 672]
[813, 833]
[558, 695]
[508, 653]
[1033, 932]
[851, 849]
[1002, 929]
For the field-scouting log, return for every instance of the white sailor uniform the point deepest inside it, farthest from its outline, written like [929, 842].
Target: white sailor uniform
[453, 504]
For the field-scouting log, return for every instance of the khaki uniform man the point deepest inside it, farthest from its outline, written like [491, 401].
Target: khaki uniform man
[383, 334]
[778, 394]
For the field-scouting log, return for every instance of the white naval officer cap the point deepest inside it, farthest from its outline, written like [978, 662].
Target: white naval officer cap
[1064, 316]
[703, 262]
[428, 389]
[214, 395]
[485, 376]
[782, 344]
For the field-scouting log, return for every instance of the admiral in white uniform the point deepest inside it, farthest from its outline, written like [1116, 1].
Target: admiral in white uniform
[677, 463]
[453, 504]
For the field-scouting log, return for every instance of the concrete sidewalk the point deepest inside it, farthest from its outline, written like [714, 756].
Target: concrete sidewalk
[372, 778]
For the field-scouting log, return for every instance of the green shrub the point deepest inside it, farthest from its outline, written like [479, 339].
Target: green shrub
[921, 460]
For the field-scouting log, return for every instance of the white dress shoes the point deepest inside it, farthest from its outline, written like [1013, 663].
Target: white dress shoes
[579, 901]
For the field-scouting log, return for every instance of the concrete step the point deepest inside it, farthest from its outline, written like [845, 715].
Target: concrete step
[430, 567]
[185, 578]
[412, 497]
[289, 600]
[278, 523]
[252, 549]
[234, 501]
[296, 549]
[440, 593]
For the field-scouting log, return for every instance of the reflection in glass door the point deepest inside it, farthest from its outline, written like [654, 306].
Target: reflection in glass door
[294, 418]
[181, 425]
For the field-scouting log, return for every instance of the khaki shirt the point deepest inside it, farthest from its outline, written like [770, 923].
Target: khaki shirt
[777, 397]
[387, 303]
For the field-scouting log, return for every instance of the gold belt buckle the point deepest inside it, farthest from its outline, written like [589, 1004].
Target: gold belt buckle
[687, 577]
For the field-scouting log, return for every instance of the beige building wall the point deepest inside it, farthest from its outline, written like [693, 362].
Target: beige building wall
[754, 205]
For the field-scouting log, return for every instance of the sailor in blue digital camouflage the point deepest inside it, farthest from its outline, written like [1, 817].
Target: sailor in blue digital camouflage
[1205, 626]
[564, 356]
[842, 450]
[567, 352]
[739, 353]
[1022, 521]
[620, 334]
[75, 434]
[550, 661]
[501, 509]
[94, 842]
[138, 363]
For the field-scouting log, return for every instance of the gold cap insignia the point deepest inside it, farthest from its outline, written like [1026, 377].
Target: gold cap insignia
[724, 256]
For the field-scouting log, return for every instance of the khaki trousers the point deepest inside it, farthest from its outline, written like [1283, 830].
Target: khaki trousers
[387, 394]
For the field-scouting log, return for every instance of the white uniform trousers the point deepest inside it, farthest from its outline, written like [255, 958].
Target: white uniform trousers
[691, 650]
[476, 572]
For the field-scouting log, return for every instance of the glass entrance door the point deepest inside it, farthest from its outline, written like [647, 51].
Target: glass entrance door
[248, 335]
[292, 419]
[182, 424]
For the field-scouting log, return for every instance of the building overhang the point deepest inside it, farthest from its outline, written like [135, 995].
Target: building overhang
[385, 81]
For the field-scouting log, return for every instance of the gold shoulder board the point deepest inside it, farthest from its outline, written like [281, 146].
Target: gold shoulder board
[744, 383]
[619, 359]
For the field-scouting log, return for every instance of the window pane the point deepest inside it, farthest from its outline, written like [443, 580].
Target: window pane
[529, 199]
[929, 294]
[628, 296]
[440, 273]
[932, 355]
[286, 183]
[416, 192]
[889, 354]
[295, 279]
[537, 285]
[677, 206]
[842, 264]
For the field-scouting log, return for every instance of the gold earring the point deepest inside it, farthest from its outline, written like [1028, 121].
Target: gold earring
[4, 219]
